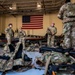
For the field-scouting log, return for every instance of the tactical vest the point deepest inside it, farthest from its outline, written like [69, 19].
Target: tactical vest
[58, 58]
[10, 32]
[21, 34]
[51, 30]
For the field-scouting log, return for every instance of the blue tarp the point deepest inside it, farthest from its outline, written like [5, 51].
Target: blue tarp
[32, 71]
[29, 72]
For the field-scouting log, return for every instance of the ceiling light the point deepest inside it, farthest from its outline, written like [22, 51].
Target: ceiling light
[39, 5]
[10, 8]
[13, 6]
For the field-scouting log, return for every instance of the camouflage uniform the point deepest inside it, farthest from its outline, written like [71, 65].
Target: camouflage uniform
[19, 58]
[22, 35]
[14, 58]
[9, 34]
[56, 58]
[6, 64]
[44, 57]
[67, 14]
[51, 31]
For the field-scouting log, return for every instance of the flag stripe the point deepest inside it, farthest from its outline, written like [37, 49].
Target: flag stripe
[32, 23]
[33, 26]
[36, 22]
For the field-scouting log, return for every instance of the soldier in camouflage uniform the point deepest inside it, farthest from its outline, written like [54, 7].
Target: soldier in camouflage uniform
[15, 58]
[67, 14]
[6, 59]
[42, 60]
[22, 35]
[51, 31]
[56, 58]
[21, 59]
[9, 33]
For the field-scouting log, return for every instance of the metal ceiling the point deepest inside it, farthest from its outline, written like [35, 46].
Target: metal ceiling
[29, 7]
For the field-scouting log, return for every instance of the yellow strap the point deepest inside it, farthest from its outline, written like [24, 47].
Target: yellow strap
[53, 73]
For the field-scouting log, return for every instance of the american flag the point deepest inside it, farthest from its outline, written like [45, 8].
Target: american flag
[32, 22]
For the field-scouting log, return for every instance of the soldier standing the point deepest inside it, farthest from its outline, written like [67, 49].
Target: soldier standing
[51, 31]
[67, 14]
[22, 35]
[9, 33]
